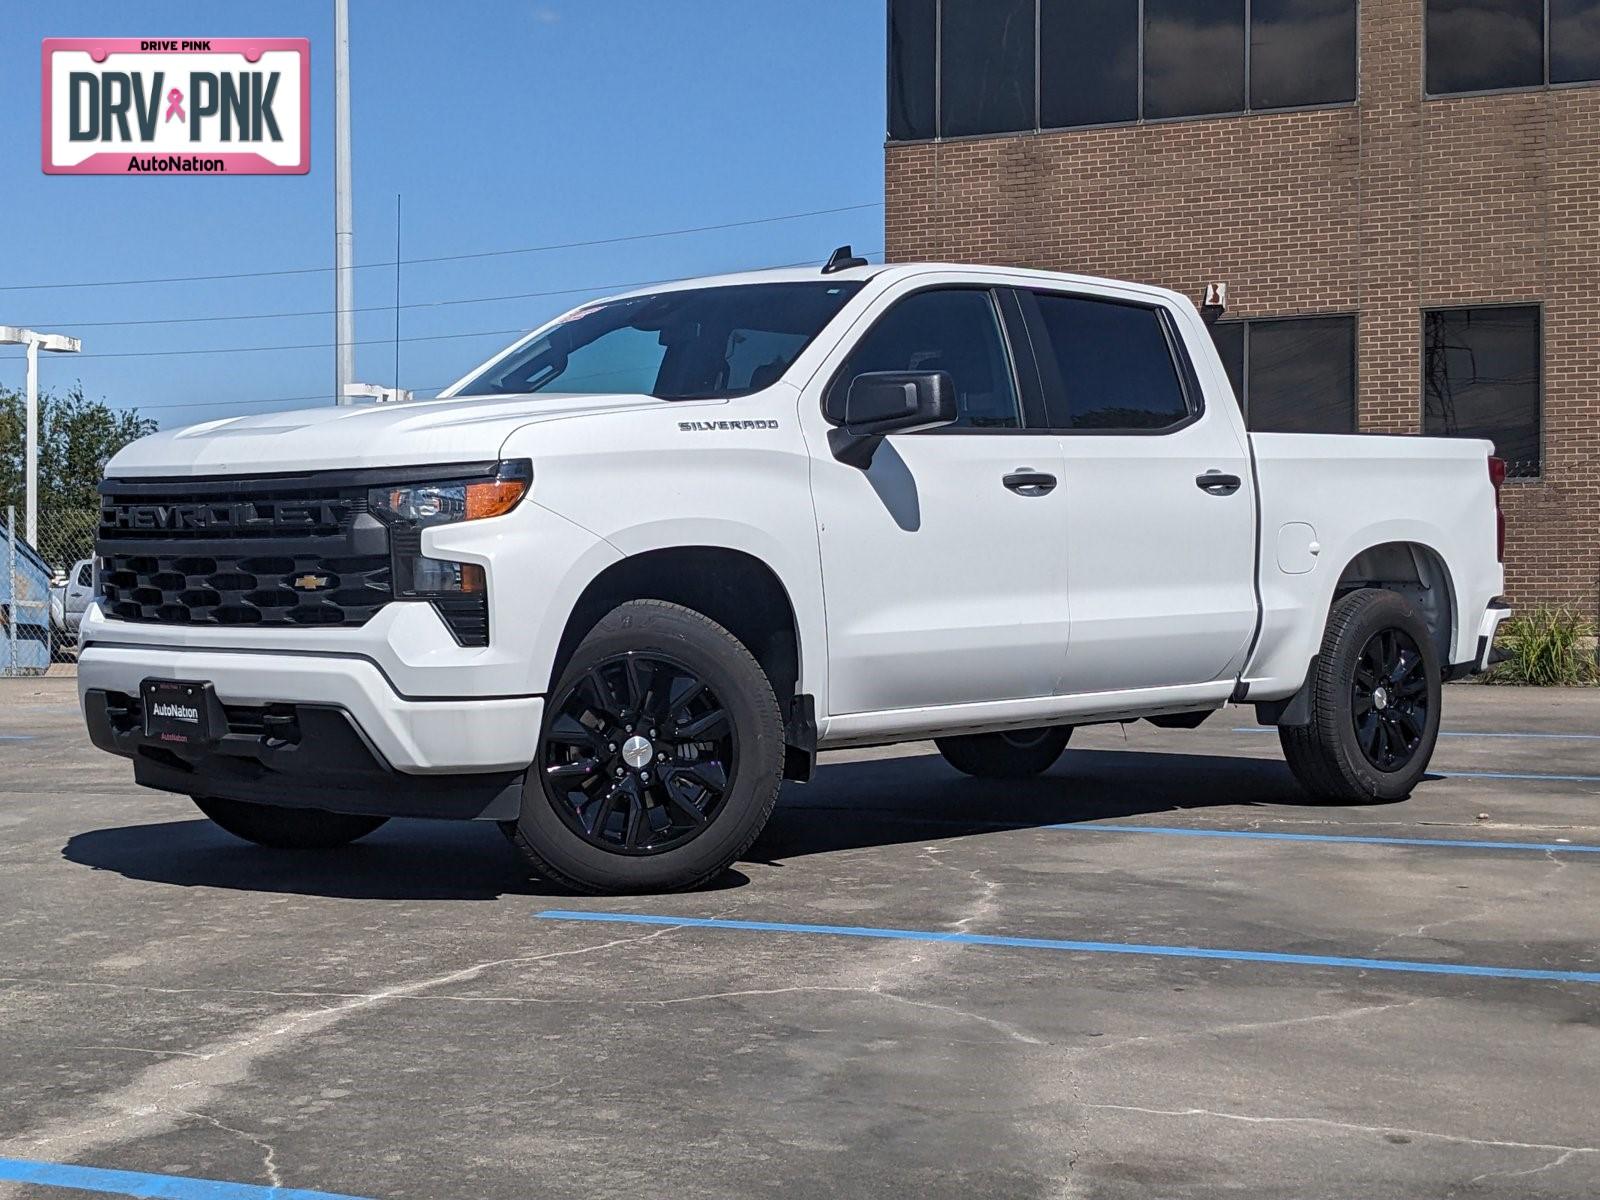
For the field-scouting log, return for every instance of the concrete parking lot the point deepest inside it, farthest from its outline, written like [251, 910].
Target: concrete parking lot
[1155, 971]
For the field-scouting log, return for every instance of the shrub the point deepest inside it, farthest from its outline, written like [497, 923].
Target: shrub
[1549, 647]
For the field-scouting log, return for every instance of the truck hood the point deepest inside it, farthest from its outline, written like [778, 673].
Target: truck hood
[380, 435]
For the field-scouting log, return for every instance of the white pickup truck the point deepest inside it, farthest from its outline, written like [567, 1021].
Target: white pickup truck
[623, 579]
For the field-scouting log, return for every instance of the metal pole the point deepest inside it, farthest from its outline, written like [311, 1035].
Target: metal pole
[397, 291]
[11, 625]
[31, 467]
[344, 237]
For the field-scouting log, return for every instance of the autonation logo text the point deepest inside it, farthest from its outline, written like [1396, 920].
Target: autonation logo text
[161, 106]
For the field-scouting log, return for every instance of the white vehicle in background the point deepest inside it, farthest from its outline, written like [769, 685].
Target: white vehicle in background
[71, 600]
[615, 585]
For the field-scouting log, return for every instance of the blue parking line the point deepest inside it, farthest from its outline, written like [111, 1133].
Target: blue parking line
[1026, 943]
[1363, 839]
[16, 737]
[1515, 775]
[139, 1183]
[1554, 737]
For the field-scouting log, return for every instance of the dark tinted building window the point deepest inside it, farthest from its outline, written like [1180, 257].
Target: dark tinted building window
[1229, 337]
[1088, 62]
[913, 58]
[1302, 52]
[986, 66]
[1301, 376]
[1193, 57]
[1292, 376]
[1479, 45]
[955, 330]
[1480, 378]
[1574, 41]
[1111, 364]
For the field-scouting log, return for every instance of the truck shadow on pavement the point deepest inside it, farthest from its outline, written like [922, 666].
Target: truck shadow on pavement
[849, 805]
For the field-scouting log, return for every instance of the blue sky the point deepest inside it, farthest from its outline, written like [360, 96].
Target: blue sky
[521, 123]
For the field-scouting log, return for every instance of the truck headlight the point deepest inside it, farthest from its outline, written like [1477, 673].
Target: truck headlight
[458, 590]
[446, 501]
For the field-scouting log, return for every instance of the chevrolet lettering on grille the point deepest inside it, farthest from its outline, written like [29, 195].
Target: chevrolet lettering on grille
[223, 517]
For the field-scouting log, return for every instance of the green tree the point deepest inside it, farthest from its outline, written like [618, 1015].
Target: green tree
[76, 438]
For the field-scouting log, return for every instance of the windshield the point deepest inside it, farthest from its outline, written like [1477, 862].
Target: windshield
[683, 345]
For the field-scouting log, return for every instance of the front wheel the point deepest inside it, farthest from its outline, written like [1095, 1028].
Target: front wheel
[660, 759]
[1375, 698]
[286, 828]
[1015, 754]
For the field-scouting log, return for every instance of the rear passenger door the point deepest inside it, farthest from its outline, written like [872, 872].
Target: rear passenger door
[1160, 562]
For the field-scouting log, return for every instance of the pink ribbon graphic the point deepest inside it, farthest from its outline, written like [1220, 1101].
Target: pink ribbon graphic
[175, 106]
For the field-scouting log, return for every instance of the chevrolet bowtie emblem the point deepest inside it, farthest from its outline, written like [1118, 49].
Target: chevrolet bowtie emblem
[310, 583]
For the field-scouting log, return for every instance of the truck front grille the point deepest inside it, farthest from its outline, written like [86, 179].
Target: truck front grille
[269, 550]
[231, 589]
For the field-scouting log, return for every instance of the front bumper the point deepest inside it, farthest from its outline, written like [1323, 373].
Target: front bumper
[317, 731]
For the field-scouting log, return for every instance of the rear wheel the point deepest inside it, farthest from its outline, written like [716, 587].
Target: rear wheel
[1375, 698]
[1015, 754]
[286, 828]
[661, 756]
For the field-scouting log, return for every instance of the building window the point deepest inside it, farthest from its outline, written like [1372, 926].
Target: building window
[1296, 375]
[1481, 379]
[1493, 45]
[986, 66]
[971, 67]
[1302, 52]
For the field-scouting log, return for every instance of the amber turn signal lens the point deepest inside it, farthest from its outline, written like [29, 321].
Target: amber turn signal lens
[494, 497]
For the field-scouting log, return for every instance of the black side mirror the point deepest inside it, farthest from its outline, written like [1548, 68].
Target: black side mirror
[883, 402]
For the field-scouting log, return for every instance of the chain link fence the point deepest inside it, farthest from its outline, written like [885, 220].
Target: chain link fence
[44, 588]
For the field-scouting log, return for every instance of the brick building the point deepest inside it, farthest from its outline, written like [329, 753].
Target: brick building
[1403, 197]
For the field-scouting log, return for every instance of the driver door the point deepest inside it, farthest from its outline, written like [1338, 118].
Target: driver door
[944, 562]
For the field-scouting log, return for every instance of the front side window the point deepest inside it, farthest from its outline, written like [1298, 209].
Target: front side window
[679, 345]
[955, 330]
[1292, 376]
[85, 574]
[1108, 365]
[1481, 378]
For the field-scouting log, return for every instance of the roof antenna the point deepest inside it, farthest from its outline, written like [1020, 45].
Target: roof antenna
[843, 259]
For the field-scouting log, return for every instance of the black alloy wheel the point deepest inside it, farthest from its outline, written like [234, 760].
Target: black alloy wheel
[1389, 699]
[640, 754]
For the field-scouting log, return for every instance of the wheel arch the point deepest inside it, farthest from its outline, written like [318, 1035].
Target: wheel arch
[735, 588]
[1416, 571]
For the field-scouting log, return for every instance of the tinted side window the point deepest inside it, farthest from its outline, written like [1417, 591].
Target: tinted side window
[1113, 364]
[85, 574]
[953, 330]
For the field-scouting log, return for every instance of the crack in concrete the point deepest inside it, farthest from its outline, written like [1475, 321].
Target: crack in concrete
[144, 1107]
[269, 1156]
[1347, 1127]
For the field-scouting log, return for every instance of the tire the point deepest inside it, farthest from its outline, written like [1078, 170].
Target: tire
[287, 828]
[1015, 754]
[660, 758]
[1372, 732]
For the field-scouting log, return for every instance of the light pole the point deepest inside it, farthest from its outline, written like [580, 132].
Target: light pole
[344, 237]
[58, 343]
